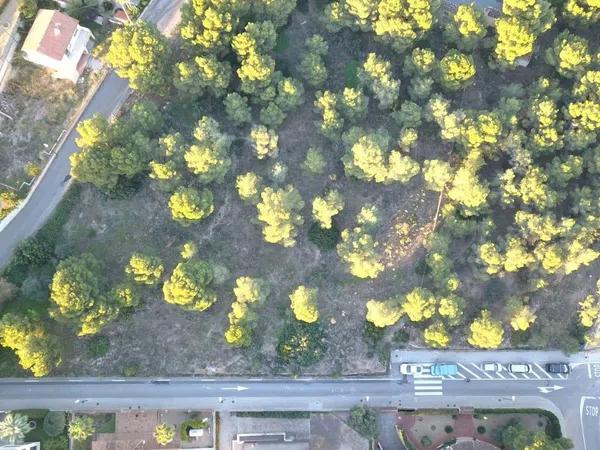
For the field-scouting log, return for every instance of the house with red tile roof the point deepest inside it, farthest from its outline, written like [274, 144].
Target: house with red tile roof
[58, 42]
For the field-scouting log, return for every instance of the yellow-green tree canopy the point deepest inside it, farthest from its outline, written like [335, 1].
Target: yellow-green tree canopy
[202, 74]
[384, 313]
[376, 75]
[324, 208]
[278, 210]
[249, 293]
[264, 142]
[589, 311]
[436, 335]
[78, 294]
[249, 186]
[569, 54]
[419, 304]
[37, 350]
[456, 70]
[437, 174]
[304, 304]
[586, 11]
[358, 249]
[81, 428]
[140, 53]
[451, 308]
[145, 269]
[486, 332]
[467, 27]
[208, 158]
[188, 286]
[164, 433]
[189, 206]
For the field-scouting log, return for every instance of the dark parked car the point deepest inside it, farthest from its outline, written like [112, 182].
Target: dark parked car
[558, 368]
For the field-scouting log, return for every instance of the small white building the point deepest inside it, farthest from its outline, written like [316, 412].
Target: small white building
[58, 42]
[28, 446]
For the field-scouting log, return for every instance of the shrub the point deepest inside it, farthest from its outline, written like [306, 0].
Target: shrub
[325, 239]
[108, 6]
[98, 346]
[481, 429]
[130, 370]
[33, 252]
[448, 429]
[425, 441]
[57, 443]
[364, 420]
[54, 423]
[371, 333]
[301, 343]
[190, 424]
[401, 337]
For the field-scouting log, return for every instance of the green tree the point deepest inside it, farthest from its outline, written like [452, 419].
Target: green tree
[145, 269]
[249, 293]
[437, 174]
[290, 94]
[522, 318]
[456, 70]
[202, 74]
[569, 54]
[189, 206]
[419, 304]
[209, 159]
[314, 162]
[237, 109]
[451, 308]
[486, 332]
[304, 304]
[14, 427]
[515, 436]
[140, 53]
[188, 286]
[272, 115]
[467, 27]
[312, 67]
[249, 186]
[278, 210]
[28, 9]
[324, 208]
[328, 105]
[301, 343]
[358, 249]
[376, 75]
[79, 296]
[81, 428]
[164, 433]
[364, 420]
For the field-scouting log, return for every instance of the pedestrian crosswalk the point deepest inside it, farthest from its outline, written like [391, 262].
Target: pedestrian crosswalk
[428, 385]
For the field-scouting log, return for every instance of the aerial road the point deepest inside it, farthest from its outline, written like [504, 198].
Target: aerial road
[51, 187]
[574, 398]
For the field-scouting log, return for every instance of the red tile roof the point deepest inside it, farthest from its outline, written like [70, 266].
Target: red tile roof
[50, 33]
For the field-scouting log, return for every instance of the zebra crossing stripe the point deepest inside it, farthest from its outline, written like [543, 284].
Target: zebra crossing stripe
[429, 393]
[432, 381]
[428, 387]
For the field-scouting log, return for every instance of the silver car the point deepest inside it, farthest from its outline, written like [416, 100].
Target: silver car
[492, 367]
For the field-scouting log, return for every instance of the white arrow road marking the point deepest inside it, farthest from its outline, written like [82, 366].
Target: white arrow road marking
[548, 389]
[237, 388]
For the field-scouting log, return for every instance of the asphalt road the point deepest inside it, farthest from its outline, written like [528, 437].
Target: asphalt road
[573, 398]
[51, 187]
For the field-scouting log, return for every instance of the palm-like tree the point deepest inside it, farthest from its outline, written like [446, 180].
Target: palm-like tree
[14, 427]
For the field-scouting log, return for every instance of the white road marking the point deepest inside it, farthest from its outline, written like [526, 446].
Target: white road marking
[428, 387]
[31, 381]
[429, 393]
[513, 375]
[536, 375]
[477, 377]
[428, 382]
[581, 404]
[237, 388]
[543, 371]
[499, 375]
[549, 389]
[589, 367]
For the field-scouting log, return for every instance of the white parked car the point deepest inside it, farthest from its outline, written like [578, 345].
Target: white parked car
[411, 369]
[492, 367]
[519, 368]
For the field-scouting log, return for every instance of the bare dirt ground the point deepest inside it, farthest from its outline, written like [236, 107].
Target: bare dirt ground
[41, 107]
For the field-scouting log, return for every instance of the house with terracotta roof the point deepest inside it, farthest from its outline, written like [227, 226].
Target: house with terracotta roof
[58, 42]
